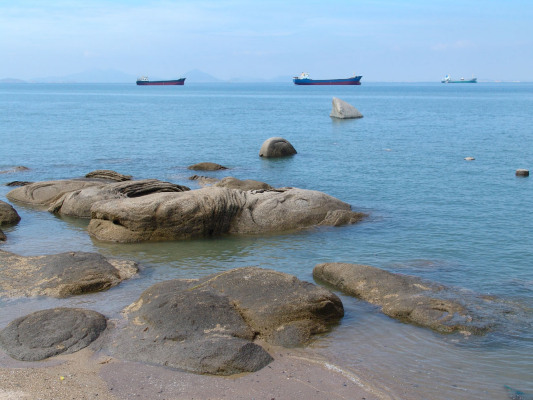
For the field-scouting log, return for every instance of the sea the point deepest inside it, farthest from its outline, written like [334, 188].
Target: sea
[466, 224]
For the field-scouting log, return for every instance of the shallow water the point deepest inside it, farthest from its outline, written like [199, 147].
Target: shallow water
[466, 224]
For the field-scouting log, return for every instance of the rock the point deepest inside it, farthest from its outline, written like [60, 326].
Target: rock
[78, 203]
[204, 181]
[108, 175]
[15, 169]
[208, 325]
[247, 184]
[18, 183]
[278, 307]
[522, 172]
[8, 215]
[213, 211]
[206, 166]
[469, 158]
[61, 275]
[47, 333]
[406, 298]
[276, 147]
[45, 193]
[343, 110]
[2, 236]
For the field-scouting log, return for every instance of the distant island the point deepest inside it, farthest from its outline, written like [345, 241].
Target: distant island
[114, 76]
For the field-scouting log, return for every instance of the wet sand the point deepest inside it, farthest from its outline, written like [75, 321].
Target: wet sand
[294, 374]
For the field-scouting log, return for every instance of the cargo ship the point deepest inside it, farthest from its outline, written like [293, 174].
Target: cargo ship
[304, 79]
[144, 81]
[448, 79]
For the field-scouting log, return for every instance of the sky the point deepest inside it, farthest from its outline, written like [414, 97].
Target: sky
[385, 41]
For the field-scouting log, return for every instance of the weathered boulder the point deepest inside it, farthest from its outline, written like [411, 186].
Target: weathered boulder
[522, 172]
[214, 211]
[47, 333]
[78, 203]
[343, 110]
[61, 275]
[108, 175]
[208, 325]
[276, 147]
[247, 184]
[206, 166]
[8, 215]
[2, 236]
[406, 298]
[45, 193]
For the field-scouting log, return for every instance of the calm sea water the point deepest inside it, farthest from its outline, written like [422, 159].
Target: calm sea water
[466, 224]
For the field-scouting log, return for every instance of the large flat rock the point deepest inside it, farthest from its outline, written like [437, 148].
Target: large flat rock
[60, 275]
[407, 298]
[209, 325]
[47, 333]
[215, 211]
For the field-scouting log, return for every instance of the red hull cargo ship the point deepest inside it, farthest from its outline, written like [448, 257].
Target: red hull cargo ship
[304, 79]
[144, 81]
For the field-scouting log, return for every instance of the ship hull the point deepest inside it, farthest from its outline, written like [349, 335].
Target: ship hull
[162, 83]
[461, 81]
[356, 80]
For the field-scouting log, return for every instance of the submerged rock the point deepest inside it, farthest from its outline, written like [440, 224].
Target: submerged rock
[206, 166]
[15, 169]
[276, 147]
[61, 275]
[208, 325]
[47, 333]
[406, 298]
[8, 215]
[214, 211]
[343, 110]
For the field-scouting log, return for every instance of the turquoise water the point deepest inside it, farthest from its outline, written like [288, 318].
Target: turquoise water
[466, 224]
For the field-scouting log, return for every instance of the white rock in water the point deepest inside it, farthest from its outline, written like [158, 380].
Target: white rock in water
[343, 110]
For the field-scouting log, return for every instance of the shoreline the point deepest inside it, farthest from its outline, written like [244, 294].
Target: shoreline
[89, 374]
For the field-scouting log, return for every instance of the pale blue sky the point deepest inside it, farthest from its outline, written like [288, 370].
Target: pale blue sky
[415, 40]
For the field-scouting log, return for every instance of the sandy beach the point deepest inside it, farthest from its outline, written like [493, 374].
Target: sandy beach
[91, 375]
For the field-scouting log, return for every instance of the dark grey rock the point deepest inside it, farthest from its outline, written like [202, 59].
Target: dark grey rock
[406, 298]
[209, 325]
[47, 333]
[522, 172]
[8, 215]
[61, 275]
[18, 183]
[2, 236]
[276, 147]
